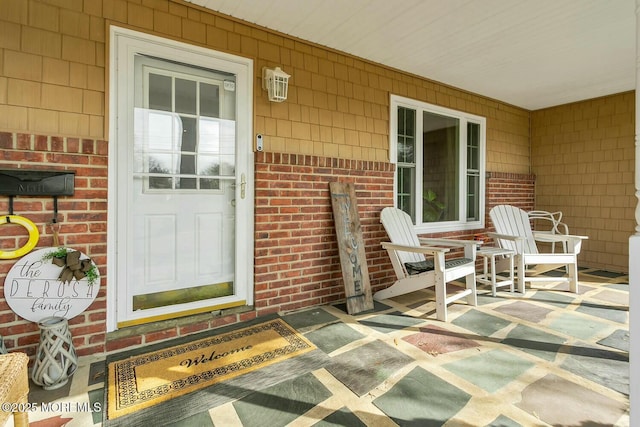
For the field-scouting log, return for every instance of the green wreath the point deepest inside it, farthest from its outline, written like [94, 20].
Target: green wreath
[72, 265]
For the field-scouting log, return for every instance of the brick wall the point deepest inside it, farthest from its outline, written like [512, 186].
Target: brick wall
[509, 189]
[583, 155]
[82, 219]
[297, 262]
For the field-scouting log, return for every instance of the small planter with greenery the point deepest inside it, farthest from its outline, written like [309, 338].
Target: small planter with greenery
[72, 266]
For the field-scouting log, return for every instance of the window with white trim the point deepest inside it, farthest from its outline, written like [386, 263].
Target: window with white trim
[440, 162]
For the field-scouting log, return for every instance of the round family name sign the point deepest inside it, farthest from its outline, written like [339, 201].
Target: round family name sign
[33, 291]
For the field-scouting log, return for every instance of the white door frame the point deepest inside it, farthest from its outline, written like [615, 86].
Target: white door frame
[124, 44]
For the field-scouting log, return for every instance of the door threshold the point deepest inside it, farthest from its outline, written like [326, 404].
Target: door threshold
[178, 320]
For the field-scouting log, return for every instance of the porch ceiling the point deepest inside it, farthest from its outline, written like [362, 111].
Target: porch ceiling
[529, 53]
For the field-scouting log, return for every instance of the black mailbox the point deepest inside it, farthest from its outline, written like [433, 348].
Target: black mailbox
[23, 182]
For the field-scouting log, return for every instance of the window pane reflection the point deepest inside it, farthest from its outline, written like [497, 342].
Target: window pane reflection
[209, 100]
[186, 96]
[180, 141]
[208, 165]
[160, 92]
[441, 155]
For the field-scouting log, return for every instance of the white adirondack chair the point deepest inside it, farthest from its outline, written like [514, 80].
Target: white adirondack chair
[513, 231]
[418, 266]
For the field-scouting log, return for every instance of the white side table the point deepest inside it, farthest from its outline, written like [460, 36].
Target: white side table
[489, 277]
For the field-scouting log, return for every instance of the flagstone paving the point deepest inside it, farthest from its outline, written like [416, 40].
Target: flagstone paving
[364, 368]
[534, 341]
[508, 367]
[618, 339]
[438, 402]
[435, 340]
[525, 311]
[583, 327]
[575, 406]
[280, 404]
[545, 358]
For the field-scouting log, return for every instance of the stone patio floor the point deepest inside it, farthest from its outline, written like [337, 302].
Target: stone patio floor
[548, 357]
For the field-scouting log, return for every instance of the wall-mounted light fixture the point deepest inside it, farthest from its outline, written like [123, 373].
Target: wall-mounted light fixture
[276, 82]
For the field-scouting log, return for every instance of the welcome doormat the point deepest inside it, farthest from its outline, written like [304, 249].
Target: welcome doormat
[141, 381]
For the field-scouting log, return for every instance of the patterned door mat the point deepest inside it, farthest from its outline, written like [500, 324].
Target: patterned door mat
[143, 381]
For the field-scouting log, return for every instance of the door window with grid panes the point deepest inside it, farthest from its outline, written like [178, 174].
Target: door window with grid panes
[183, 141]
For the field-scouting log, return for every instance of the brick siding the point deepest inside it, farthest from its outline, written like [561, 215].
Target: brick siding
[82, 219]
[508, 189]
[297, 262]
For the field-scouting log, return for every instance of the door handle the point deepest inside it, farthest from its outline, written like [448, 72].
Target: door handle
[243, 186]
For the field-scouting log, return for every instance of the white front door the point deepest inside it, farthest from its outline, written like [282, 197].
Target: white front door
[182, 232]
